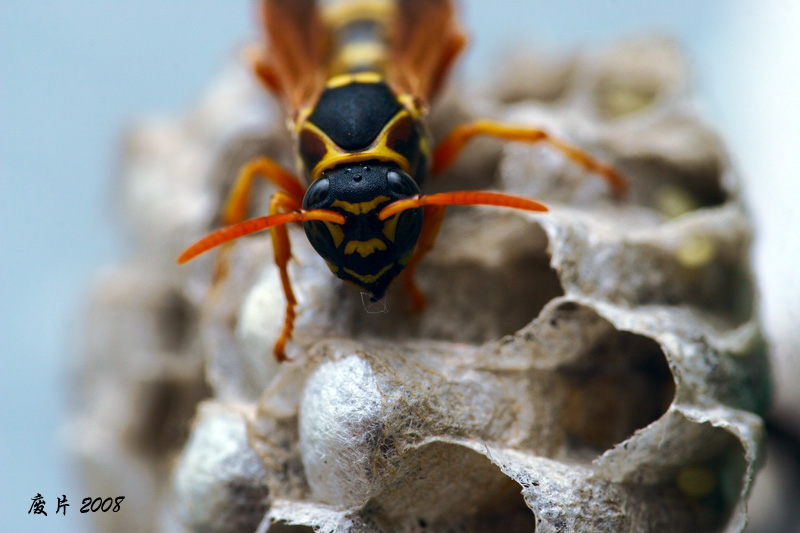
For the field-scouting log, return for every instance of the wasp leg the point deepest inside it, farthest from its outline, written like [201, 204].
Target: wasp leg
[449, 148]
[432, 221]
[235, 208]
[283, 209]
[281, 246]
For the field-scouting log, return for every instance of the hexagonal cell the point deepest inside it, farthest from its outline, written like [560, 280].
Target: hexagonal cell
[488, 276]
[127, 313]
[673, 186]
[594, 373]
[177, 323]
[635, 76]
[698, 262]
[713, 484]
[166, 408]
[706, 467]
[621, 371]
[676, 162]
[470, 492]
[534, 75]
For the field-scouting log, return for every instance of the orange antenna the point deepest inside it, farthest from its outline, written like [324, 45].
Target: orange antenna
[462, 198]
[229, 233]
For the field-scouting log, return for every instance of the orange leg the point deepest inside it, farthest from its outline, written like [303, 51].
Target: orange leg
[449, 148]
[281, 246]
[432, 221]
[236, 205]
[283, 209]
[235, 208]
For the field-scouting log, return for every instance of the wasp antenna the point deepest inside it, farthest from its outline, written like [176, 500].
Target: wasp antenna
[462, 198]
[229, 233]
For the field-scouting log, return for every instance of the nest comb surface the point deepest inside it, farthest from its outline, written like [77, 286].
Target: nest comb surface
[595, 368]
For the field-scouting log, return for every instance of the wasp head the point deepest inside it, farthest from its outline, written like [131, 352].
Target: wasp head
[364, 250]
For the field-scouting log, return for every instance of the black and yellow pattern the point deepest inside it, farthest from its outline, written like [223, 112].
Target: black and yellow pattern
[360, 144]
[364, 250]
[356, 79]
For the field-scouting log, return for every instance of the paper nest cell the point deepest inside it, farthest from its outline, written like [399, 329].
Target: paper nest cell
[595, 368]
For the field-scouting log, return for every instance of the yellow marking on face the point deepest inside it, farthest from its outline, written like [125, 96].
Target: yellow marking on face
[336, 232]
[359, 77]
[390, 227]
[333, 267]
[379, 151]
[371, 278]
[359, 208]
[364, 248]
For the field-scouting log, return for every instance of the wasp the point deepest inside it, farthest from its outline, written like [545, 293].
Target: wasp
[356, 79]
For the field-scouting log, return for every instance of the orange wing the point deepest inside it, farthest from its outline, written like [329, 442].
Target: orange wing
[292, 64]
[426, 38]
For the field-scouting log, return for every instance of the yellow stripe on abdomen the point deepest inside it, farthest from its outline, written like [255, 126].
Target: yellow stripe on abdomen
[360, 57]
[359, 35]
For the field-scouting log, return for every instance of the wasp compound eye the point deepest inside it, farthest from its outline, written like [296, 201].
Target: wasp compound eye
[317, 194]
[402, 184]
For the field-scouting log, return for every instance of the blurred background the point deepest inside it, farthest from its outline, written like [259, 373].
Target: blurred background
[74, 74]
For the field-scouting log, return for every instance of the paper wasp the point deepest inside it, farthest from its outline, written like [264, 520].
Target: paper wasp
[356, 79]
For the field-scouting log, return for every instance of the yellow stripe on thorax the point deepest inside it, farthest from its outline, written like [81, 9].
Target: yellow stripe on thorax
[379, 151]
[341, 80]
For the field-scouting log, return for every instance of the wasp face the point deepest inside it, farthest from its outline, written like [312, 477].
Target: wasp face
[364, 250]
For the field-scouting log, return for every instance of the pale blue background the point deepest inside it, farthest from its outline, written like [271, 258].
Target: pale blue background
[73, 73]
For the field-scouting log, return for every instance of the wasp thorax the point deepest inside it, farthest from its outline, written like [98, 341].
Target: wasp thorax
[364, 250]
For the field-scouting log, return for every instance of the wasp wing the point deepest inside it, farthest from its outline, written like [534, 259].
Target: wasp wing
[292, 64]
[425, 39]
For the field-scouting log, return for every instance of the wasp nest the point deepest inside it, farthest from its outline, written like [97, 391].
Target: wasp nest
[594, 368]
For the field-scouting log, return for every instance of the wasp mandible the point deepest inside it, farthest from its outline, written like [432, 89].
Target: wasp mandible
[356, 79]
